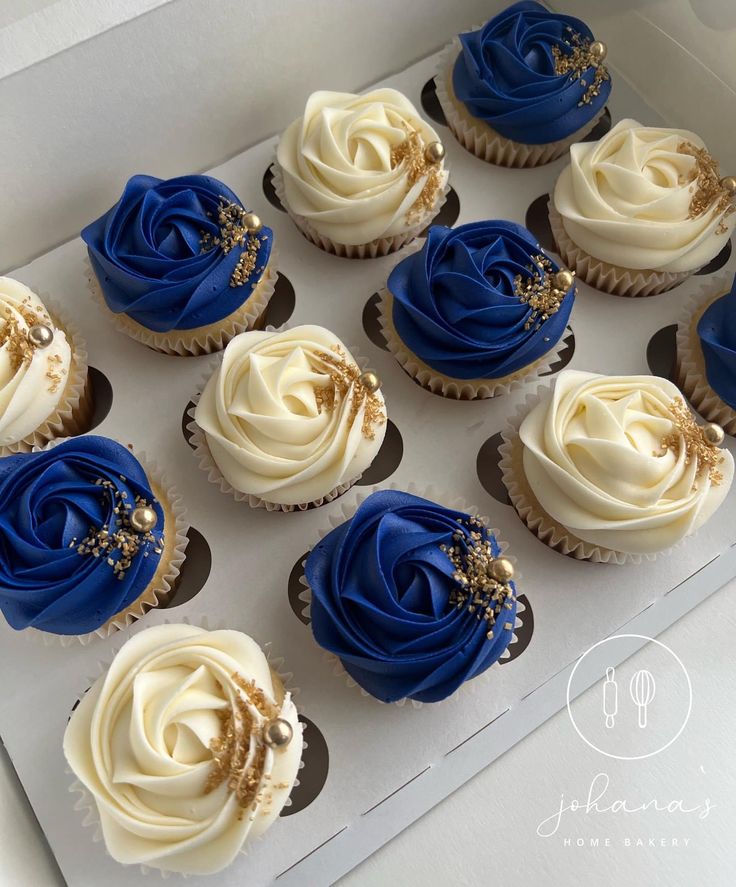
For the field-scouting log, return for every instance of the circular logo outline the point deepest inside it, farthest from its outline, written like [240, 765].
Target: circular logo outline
[662, 748]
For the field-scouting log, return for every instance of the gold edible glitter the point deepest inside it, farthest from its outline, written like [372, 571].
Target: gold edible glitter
[230, 750]
[234, 234]
[345, 375]
[472, 557]
[690, 436]
[539, 291]
[708, 192]
[576, 60]
[106, 540]
[20, 351]
[411, 153]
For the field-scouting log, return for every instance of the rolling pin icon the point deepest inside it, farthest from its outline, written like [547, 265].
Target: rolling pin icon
[610, 697]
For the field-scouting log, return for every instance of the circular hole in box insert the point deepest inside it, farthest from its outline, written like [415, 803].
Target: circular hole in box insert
[195, 570]
[523, 632]
[101, 397]
[537, 221]
[431, 104]
[719, 261]
[371, 323]
[489, 473]
[661, 352]
[296, 588]
[313, 775]
[601, 128]
[269, 190]
[565, 355]
[388, 458]
[448, 214]
[185, 420]
[281, 304]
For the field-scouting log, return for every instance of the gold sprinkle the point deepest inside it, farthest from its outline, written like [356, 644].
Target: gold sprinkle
[575, 58]
[411, 153]
[345, 376]
[234, 234]
[539, 291]
[709, 195]
[689, 435]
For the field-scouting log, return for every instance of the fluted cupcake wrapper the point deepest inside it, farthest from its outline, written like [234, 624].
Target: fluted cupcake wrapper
[85, 802]
[198, 442]
[610, 278]
[691, 376]
[531, 512]
[382, 246]
[201, 340]
[72, 414]
[162, 586]
[480, 139]
[347, 510]
[459, 389]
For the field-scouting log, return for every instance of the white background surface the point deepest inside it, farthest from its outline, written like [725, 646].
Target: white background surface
[486, 832]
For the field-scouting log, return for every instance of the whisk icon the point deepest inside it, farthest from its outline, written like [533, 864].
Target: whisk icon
[642, 689]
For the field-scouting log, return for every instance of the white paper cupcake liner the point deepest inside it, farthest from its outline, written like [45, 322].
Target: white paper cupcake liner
[531, 512]
[610, 278]
[382, 246]
[691, 375]
[85, 803]
[346, 511]
[162, 585]
[201, 340]
[458, 389]
[72, 414]
[483, 141]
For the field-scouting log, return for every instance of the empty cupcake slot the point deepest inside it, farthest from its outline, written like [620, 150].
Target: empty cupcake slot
[100, 396]
[186, 420]
[298, 591]
[489, 473]
[388, 458]
[371, 322]
[523, 630]
[662, 352]
[313, 772]
[431, 104]
[566, 354]
[720, 260]
[537, 221]
[270, 191]
[281, 305]
[195, 570]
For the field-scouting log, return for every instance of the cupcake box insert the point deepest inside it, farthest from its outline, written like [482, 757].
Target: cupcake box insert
[387, 764]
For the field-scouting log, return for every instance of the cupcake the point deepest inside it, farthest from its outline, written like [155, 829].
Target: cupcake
[639, 211]
[521, 89]
[413, 598]
[288, 420]
[613, 468]
[189, 747]
[360, 175]
[478, 310]
[181, 264]
[43, 373]
[89, 539]
[706, 354]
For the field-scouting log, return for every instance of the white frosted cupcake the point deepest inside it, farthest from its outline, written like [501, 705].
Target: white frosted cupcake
[43, 373]
[613, 468]
[189, 747]
[639, 211]
[360, 175]
[288, 420]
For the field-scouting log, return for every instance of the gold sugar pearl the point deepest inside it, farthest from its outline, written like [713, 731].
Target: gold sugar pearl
[598, 50]
[434, 152]
[728, 183]
[370, 381]
[502, 569]
[713, 434]
[564, 279]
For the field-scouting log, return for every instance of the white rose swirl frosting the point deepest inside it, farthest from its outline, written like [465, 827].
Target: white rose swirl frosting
[645, 198]
[172, 744]
[286, 417]
[620, 462]
[354, 165]
[32, 380]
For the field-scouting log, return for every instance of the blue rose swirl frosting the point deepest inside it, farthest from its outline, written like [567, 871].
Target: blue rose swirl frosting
[717, 332]
[69, 559]
[393, 596]
[529, 75]
[470, 304]
[172, 255]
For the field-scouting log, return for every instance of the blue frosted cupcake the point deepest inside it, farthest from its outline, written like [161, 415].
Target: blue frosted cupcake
[478, 310]
[412, 597]
[521, 89]
[89, 538]
[181, 264]
[706, 353]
